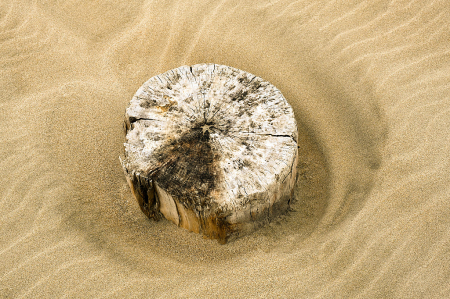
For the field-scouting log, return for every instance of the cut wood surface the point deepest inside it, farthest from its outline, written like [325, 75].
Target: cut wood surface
[212, 149]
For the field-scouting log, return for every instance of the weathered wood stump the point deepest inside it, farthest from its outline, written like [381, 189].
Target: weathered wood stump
[212, 149]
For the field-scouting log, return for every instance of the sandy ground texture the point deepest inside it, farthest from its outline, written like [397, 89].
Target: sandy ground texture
[370, 85]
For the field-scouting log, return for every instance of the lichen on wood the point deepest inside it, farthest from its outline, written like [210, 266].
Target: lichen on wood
[212, 149]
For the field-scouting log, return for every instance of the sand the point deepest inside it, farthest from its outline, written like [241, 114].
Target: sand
[369, 82]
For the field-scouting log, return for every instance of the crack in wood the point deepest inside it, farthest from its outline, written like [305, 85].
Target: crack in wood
[135, 119]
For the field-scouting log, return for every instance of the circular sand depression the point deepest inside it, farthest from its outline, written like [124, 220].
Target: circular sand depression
[211, 148]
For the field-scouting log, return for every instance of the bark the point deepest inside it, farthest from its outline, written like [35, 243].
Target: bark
[212, 149]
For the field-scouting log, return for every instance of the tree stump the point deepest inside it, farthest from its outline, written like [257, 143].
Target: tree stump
[212, 149]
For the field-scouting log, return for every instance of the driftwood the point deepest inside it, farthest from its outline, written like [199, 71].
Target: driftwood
[212, 149]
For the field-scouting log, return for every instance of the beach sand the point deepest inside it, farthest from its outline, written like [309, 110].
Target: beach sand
[369, 82]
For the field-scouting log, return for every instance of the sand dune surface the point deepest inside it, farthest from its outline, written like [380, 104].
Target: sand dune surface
[369, 82]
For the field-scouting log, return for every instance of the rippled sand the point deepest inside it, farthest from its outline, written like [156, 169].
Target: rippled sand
[370, 85]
